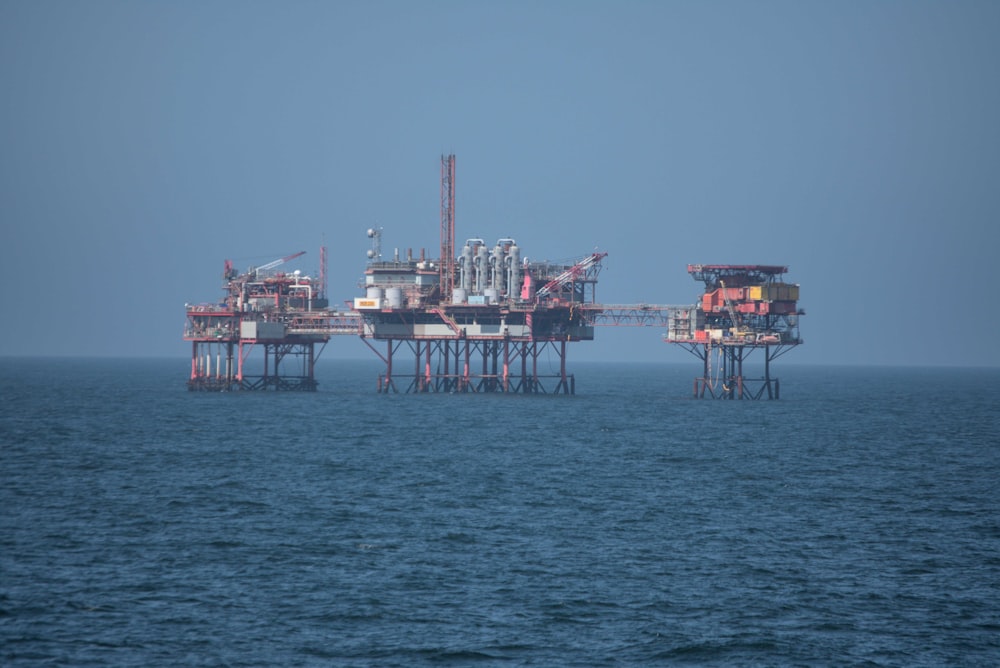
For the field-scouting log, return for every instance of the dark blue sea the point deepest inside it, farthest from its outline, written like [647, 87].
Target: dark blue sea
[854, 522]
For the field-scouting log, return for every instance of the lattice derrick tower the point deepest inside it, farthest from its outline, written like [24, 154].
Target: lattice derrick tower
[447, 257]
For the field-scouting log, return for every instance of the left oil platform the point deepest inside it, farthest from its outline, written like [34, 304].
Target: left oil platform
[478, 320]
[285, 315]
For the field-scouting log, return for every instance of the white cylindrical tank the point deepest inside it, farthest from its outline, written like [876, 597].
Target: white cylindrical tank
[514, 272]
[466, 268]
[459, 296]
[482, 269]
[492, 295]
[373, 292]
[394, 297]
[498, 268]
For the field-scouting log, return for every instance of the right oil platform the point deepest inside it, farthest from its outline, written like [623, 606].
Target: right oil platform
[744, 308]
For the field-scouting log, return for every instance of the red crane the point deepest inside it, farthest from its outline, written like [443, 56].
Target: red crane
[572, 273]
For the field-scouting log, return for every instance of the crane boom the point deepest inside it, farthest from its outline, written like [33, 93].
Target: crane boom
[278, 262]
[571, 273]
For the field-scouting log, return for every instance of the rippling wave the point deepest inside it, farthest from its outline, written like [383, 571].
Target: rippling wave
[856, 521]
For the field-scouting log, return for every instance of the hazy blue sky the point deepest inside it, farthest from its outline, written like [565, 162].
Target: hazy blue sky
[857, 142]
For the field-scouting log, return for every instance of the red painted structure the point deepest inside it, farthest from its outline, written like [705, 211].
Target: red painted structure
[447, 262]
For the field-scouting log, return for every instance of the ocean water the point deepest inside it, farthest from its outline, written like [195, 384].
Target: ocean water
[854, 522]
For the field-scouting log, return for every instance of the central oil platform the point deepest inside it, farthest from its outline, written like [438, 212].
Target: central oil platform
[478, 322]
[479, 319]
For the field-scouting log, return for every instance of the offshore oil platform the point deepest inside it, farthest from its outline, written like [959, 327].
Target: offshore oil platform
[478, 319]
[285, 315]
[745, 308]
